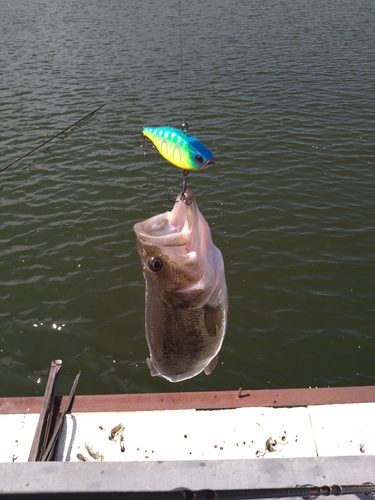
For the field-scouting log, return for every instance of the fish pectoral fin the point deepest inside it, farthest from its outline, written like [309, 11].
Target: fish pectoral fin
[211, 365]
[154, 373]
[213, 317]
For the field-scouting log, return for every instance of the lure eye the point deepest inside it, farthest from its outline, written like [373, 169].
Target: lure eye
[199, 159]
[155, 264]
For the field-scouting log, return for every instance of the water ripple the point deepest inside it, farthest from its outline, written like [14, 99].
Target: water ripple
[282, 94]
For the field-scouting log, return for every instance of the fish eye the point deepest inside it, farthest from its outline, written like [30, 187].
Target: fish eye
[199, 159]
[155, 264]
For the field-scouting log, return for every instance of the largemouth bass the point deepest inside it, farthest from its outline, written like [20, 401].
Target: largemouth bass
[185, 291]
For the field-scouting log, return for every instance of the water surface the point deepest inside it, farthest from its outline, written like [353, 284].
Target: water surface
[282, 92]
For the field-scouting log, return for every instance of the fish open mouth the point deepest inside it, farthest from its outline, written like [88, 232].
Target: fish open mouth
[170, 229]
[207, 164]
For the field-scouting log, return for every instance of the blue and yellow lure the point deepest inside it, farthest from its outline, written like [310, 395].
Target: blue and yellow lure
[179, 148]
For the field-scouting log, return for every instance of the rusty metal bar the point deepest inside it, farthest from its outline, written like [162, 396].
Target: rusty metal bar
[49, 449]
[46, 412]
[199, 400]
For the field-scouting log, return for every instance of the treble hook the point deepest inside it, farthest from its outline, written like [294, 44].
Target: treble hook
[144, 145]
[183, 196]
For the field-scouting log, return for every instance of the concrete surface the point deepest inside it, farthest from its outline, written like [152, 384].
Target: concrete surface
[242, 433]
[196, 475]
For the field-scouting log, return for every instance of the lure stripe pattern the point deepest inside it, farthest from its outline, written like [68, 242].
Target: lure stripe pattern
[179, 148]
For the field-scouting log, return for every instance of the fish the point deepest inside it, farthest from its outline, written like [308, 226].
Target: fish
[186, 299]
[179, 148]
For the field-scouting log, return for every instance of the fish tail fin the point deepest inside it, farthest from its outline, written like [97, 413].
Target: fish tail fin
[211, 365]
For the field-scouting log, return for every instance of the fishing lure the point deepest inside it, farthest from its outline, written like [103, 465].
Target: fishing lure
[179, 148]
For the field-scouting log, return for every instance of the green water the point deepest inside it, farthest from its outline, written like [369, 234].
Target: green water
[281, 92]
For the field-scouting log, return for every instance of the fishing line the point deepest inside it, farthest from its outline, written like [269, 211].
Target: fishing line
[53, 137]
[176, 145]
[184, 124]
